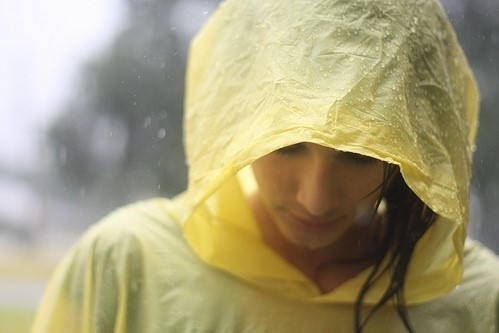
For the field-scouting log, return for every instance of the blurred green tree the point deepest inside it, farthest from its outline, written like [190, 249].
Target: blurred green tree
[122, 131]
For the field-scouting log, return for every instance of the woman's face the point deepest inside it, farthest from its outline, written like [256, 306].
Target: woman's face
[315, 195]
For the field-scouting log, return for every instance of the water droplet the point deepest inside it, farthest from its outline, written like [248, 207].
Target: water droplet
[63, 155]
[147, 121]
[161, 133]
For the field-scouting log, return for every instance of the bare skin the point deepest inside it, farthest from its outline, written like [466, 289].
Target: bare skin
[314, 208]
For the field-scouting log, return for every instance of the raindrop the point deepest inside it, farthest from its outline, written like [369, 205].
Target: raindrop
[163, 115]
[63, 155]
[494, 37]
[473, 148]
[147, 121]
[161, 133]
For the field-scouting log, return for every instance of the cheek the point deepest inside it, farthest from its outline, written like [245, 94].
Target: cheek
[272, 178]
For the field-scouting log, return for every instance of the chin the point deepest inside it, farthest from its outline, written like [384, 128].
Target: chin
[310, 243]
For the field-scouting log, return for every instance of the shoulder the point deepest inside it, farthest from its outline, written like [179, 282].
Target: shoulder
[158, 216]
[473, 306]
[129, 242]
[132, 233]
[118, 258]
[481, 266]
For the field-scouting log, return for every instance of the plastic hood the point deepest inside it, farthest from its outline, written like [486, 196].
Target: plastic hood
[382, 78]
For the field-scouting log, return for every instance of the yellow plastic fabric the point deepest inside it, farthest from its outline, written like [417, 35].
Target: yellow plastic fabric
[385, 79]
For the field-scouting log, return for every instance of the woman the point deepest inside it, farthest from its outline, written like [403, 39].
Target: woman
[329, 147]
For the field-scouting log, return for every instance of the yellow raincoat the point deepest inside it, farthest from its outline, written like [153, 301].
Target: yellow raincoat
[382, 78]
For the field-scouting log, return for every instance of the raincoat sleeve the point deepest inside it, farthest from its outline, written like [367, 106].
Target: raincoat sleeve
[97, 288]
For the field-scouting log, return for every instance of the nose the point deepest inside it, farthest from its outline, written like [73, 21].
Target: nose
[318, 189]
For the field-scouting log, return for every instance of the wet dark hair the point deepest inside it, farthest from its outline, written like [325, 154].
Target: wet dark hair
[407, 219]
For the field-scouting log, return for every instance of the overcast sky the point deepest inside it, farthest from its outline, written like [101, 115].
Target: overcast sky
[43, 45]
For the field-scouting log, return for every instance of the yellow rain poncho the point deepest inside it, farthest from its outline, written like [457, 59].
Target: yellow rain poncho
[382, 78]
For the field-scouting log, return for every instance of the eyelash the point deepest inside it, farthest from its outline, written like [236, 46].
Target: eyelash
[289, 150]
[352, 157]
[359, 159]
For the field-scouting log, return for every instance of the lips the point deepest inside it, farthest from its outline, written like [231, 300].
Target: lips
[314, 223]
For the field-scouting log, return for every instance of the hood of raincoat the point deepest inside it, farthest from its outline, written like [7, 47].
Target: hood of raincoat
[384, 78]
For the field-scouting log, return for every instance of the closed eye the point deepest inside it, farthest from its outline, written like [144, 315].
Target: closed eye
[293, 149]
[359, 159]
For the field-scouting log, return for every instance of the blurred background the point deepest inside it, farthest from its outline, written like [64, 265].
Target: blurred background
[91, 118]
